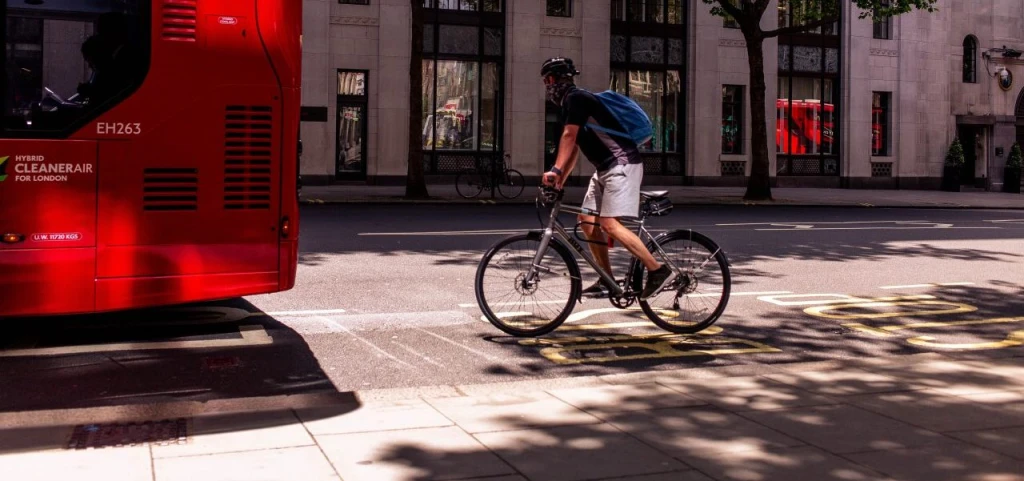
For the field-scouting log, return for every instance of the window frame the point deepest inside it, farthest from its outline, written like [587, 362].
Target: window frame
[658, 162]
[354, 2]
[738, 106]
[144, 29]
[882, 29]
[830, 39]
[434, 18]
[970, 61]
[568, 8]
[885, 99]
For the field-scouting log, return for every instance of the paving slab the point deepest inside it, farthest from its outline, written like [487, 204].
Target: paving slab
[305, 463]
[748, 393]
[411, 455]
[951, 461]
[935, 411]
[1008, 441]
[845, 429]
[843, 382]
[955, 378]
[784, 464]
[620, 398]
[377, 416]
[575, 453]
[699, 432]
[691, 475]
[241, 432]
[507, 412]
[128, 463]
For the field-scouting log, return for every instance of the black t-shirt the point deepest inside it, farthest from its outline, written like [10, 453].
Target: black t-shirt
[602, 149]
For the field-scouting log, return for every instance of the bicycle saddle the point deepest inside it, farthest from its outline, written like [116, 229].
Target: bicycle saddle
[655, 194]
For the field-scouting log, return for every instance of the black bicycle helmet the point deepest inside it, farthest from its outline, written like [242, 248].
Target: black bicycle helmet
[560, 67]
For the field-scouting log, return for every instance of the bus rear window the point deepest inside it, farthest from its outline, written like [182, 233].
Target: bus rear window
[68, 61]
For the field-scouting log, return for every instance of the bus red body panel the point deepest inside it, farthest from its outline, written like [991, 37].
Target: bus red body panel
[179, 192]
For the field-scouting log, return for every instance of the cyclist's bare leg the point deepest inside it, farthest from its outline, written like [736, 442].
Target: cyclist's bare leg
[630, 241]
[594, 234]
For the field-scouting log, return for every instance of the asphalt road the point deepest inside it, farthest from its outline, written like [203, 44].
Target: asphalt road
[385, 299]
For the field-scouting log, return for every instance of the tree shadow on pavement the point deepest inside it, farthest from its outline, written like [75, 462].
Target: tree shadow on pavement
[867, 422]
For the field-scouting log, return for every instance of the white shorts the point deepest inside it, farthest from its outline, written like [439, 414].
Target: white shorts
[616, 191]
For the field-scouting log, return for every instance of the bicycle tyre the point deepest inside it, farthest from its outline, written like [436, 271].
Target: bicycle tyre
[574, 291]
[473, 184]
[639, 276]
[513, 184]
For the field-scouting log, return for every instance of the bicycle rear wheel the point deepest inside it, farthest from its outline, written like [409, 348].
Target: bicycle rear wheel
[698, 296]
[523, 308]
[469, 183]
[512, 185]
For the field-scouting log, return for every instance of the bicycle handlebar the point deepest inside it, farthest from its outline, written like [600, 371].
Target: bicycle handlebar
[550, 195]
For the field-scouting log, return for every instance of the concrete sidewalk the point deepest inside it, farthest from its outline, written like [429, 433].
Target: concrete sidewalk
[441, 193]
[926, 417]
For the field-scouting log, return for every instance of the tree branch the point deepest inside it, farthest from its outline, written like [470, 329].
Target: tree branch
[731, 9]
[800, 28]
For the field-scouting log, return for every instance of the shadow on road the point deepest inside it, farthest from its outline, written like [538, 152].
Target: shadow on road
[224, 358]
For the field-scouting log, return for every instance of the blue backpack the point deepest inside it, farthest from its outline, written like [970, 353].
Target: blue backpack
[630, 116]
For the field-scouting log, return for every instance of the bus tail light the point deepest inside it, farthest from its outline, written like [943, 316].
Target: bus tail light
[13, 238]
[286, 227]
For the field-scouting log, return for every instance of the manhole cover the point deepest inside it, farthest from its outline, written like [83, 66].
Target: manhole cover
[170, 431]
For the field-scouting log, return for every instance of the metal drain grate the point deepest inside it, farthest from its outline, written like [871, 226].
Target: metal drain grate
[166, 432]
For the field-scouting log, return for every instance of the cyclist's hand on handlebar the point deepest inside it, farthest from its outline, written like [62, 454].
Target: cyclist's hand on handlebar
[551, 179]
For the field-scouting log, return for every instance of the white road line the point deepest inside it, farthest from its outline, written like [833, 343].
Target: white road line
[937, 226]
[829, 223]
[733, 294]
[449, 341]
[922, 286]
[449, 232]
[316, 312]
[364, 341]
[416, 353]
[251, 335]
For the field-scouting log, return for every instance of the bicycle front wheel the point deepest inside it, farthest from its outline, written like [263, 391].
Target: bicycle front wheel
[698, 296]
[469, 183]
[520, 306]
[512, 185]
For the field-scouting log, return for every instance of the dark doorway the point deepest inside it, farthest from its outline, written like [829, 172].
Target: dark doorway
[968, 135]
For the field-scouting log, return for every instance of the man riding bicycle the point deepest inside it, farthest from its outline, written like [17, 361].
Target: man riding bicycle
[614, 189]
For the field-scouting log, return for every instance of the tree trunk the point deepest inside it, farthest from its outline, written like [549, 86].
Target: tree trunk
[415, 182]
[759, 185]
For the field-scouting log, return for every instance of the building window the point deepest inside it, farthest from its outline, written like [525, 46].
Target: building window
[732, 119]
[354, 2]
[970, 59]
[807, 109]
[463, 65]
[647, 58]
[351, 125]
[559, 8]
[883, 27]
[50, 89]
[880, 114]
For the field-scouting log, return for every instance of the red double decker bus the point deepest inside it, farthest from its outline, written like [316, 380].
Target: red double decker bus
[148, 154]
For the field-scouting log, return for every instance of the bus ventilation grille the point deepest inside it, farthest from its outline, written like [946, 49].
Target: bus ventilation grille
[179, 20]
[247, 157]
[170, 189]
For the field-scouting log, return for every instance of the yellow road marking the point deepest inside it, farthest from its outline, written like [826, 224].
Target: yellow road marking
[1014, 339]
[886, 330]
[658, 350]
[820, 311]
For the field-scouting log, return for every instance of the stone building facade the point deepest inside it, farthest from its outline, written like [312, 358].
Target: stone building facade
[855, 104]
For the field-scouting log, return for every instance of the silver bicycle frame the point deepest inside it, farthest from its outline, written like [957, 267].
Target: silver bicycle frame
[555, 227]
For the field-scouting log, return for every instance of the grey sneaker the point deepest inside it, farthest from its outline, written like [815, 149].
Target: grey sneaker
[597, 289]
[656, 279]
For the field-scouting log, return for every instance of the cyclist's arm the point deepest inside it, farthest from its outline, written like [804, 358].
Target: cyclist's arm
[567, 149]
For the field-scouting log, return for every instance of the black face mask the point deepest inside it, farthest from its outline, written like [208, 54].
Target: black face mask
[556, 92]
